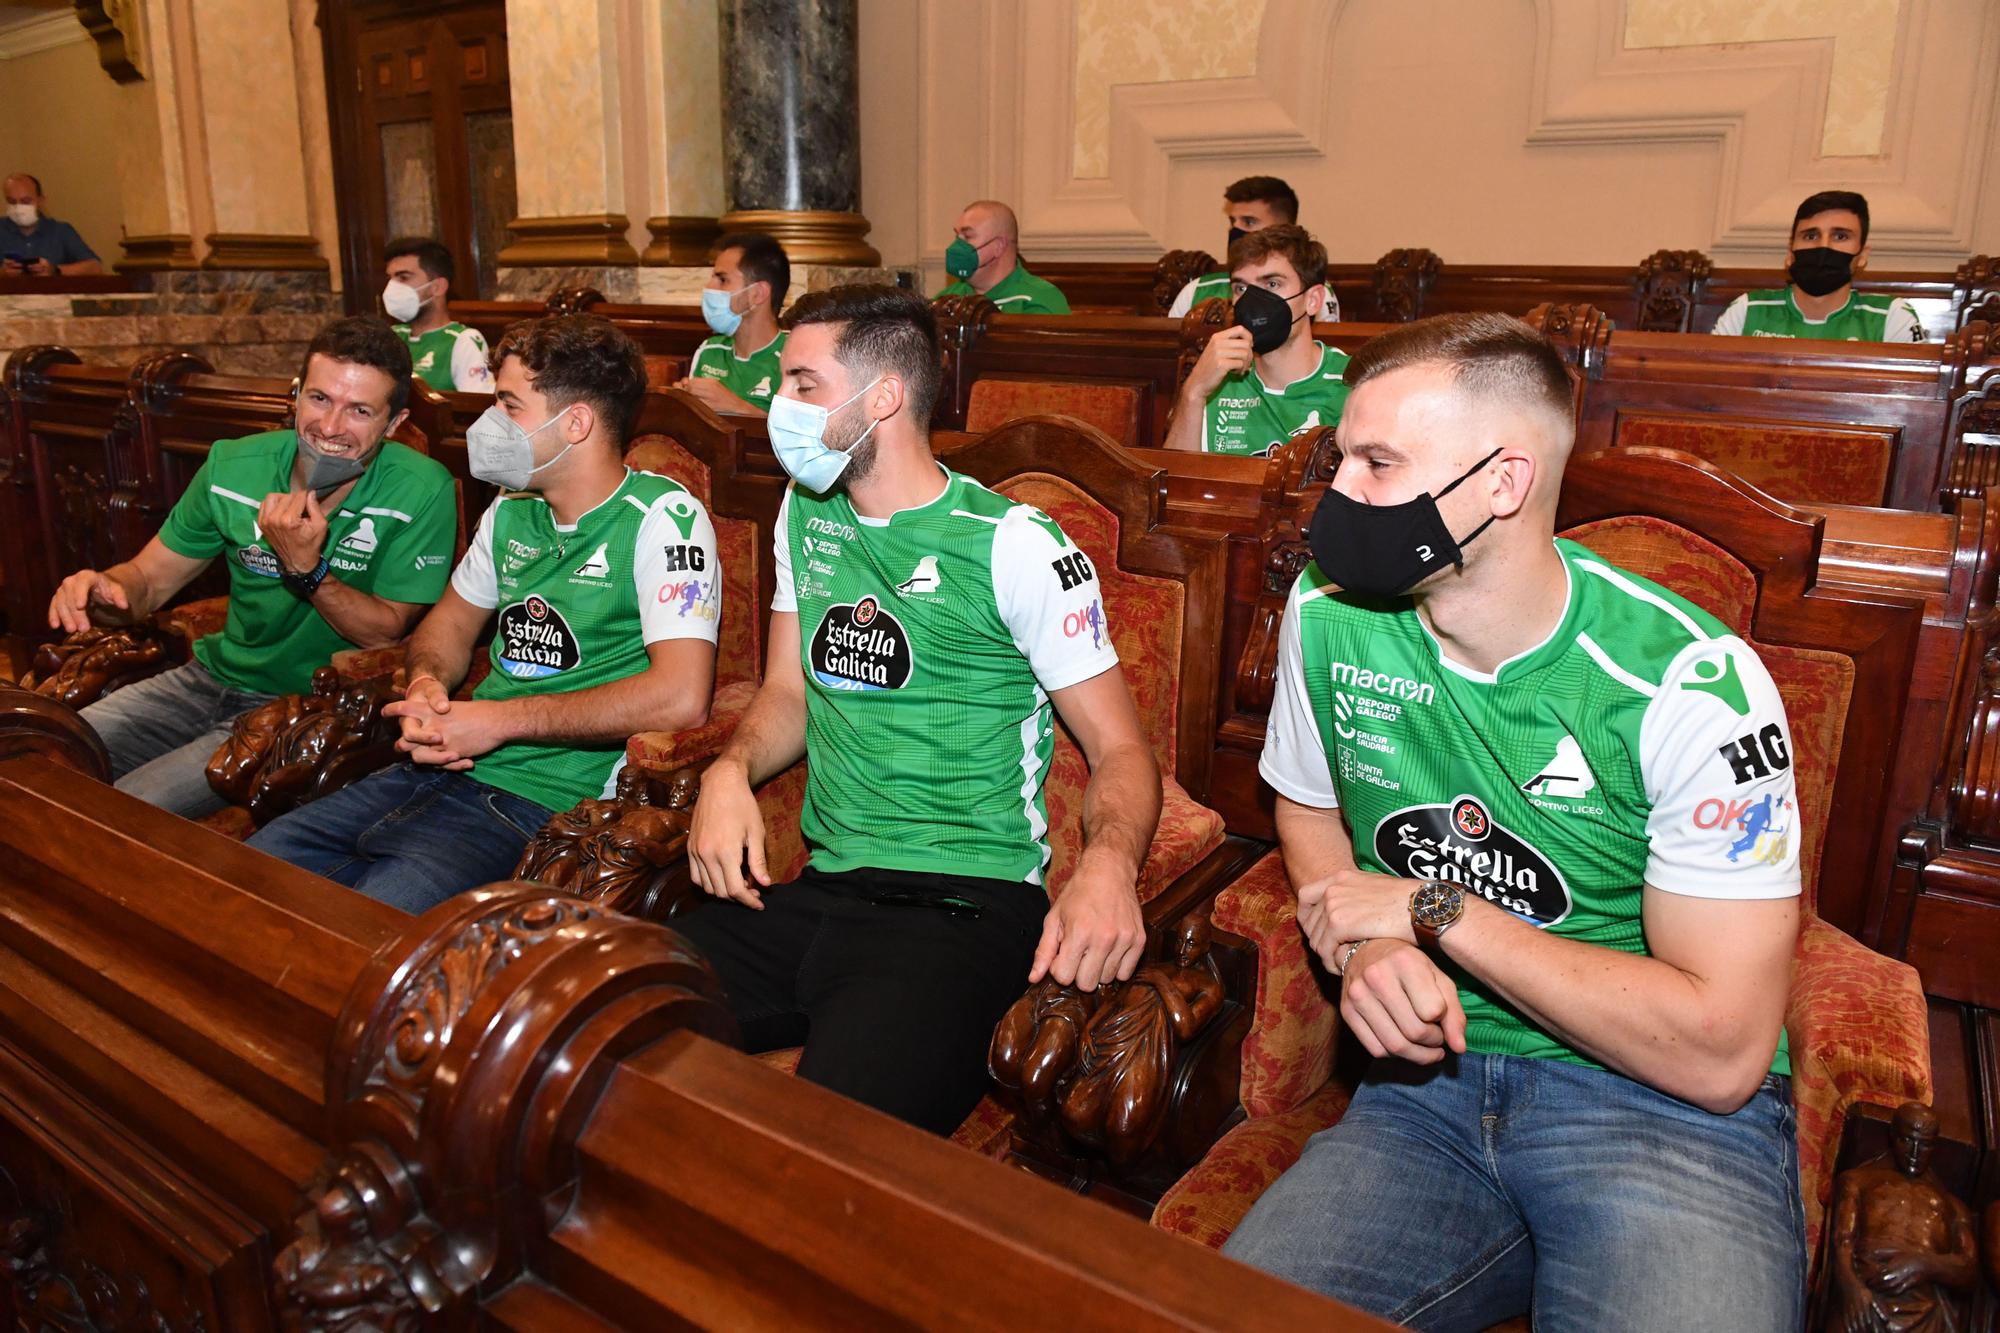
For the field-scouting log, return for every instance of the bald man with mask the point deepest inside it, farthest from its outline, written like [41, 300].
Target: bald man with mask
[33, 244]
[985, 260]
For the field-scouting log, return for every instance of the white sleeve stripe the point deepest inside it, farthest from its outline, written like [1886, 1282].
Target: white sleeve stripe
[227, 494]
[639, 504]
[983, 518]
[1612, 669]
[1631, 589]
[388, 513]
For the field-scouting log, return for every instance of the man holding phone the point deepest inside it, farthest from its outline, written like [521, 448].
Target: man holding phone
[33, 244]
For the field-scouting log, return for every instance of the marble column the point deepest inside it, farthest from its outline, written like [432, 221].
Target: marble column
[681, 127]
[791, 122]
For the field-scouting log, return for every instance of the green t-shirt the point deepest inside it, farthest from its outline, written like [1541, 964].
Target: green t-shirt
[1019, 293]
[931, 641]
[451, 357]
[1865, 317]
[391, 537]
[1641, 743]
[1246, 416]
[753, 378]
[578, 605]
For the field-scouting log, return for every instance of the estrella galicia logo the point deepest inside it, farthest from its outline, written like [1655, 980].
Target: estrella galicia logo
[861, 646]
[535, 640]
[1462, 843]
[257, 560]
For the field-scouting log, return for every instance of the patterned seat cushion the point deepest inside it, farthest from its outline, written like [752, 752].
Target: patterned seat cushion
[1112, 408]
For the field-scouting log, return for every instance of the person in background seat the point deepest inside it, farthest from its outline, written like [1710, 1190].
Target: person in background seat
[985, 259]
[33, 244]
[1251, 204]
[446, 354]
[334, 536]
[1829, 246]
[737, 369]
[1265, 378]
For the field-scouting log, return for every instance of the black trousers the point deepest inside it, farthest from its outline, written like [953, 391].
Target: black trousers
[892, 980]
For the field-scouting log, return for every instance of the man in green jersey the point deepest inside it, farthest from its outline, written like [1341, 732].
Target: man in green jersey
[1265, 378]
[922, 627]
[1829, 246]
[446, 354]
[1540, 814]
[334, 537]
[737, 369]
[604, 592]
[1248, 205]
[984, 258]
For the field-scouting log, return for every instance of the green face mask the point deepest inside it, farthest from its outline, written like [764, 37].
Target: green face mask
[960, 259]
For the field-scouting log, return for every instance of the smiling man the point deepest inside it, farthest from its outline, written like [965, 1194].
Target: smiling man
[604, 592]
[1829, 246]
[334, 536]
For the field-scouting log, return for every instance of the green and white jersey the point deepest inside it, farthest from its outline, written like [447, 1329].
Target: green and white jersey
[1210, 285]
[391, 538]
[451, 357]
[753, 378]
[1247, 416]
[1864, 318]
[1641, 744]
[931, 641]
[578, 605]
[1019, 293]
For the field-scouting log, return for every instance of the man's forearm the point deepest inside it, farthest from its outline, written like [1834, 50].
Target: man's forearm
[771, 737]
[613, 711]
[1643, 1017]
[81, 268]
[358, 617]
[1121, 805]
[1184, 432]
[437, 653]
[138, 595]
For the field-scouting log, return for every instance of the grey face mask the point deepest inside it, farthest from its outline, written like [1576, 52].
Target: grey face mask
[327, 473]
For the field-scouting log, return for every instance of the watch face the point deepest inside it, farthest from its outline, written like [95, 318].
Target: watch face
[1437, 903]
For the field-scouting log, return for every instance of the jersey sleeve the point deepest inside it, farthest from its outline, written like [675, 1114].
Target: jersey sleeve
[676, 571]
[1715, 756]
[1730, 322]
[1330, 312]
[1294, 761]
[474, 579]
[417, 563]
[1184, 300]
[190, 528]
[469, 370]
[1049, 598]
[784, 596]
[1903, 324]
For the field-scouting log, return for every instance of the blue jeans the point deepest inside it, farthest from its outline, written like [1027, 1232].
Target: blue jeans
[163, 730]
[1461, 1195]
[408, 836]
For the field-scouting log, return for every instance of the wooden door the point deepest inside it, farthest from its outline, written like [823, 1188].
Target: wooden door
[423, 135]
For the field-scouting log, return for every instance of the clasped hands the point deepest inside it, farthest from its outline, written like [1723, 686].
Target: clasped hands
[1398, 1001]
[442, 731]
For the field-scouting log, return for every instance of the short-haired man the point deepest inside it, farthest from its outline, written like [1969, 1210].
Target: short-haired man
[447, 355]
[984, 258]
[1265, 378]
[1829, 246]
[1558, 865]
[737, 369]
[608, 591]
[34, 244]
[1251, 204]
[921, 629]
[334, 537]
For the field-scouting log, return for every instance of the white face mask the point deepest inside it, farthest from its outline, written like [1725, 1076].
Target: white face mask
[402, 301]
[798, 438]
[24, 215]
[498, 449]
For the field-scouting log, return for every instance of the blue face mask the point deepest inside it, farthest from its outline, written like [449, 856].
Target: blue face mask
[798, 437]
[716, 310]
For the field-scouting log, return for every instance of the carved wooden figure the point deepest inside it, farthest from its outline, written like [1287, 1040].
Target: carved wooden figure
[1902, 1253]
[85, 666]
[618, 853]
[299, 747]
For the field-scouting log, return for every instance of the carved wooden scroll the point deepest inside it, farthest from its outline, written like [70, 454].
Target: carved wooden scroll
[299, 747]
[1123, 1070]
[33, 723]
[962, 320]
[1972, 439]
[1402, 282]
[1975, 290]
[1176, 269]
[627, 854]
[89, 664]
[1669, 286]
[507, 997]
[575, 301]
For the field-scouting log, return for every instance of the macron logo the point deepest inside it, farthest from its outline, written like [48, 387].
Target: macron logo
[1380, 682]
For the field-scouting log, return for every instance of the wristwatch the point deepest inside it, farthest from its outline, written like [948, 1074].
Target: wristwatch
[305, 585]
[1435, 907]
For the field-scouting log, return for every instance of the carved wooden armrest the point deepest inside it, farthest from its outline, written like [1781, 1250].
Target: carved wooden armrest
[89, 664]
[628, 853]
[195, 620]
[300, 747]
[33, 723]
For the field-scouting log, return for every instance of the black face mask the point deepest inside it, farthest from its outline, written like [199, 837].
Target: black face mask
[1235, 234]
[1268, 316]
[1385, 550]
[1821, 270]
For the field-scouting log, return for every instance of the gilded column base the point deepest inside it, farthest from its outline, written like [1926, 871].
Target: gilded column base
[153, 254]
[595, 239]
[253, 250]
[810, 237]
[681, 240]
